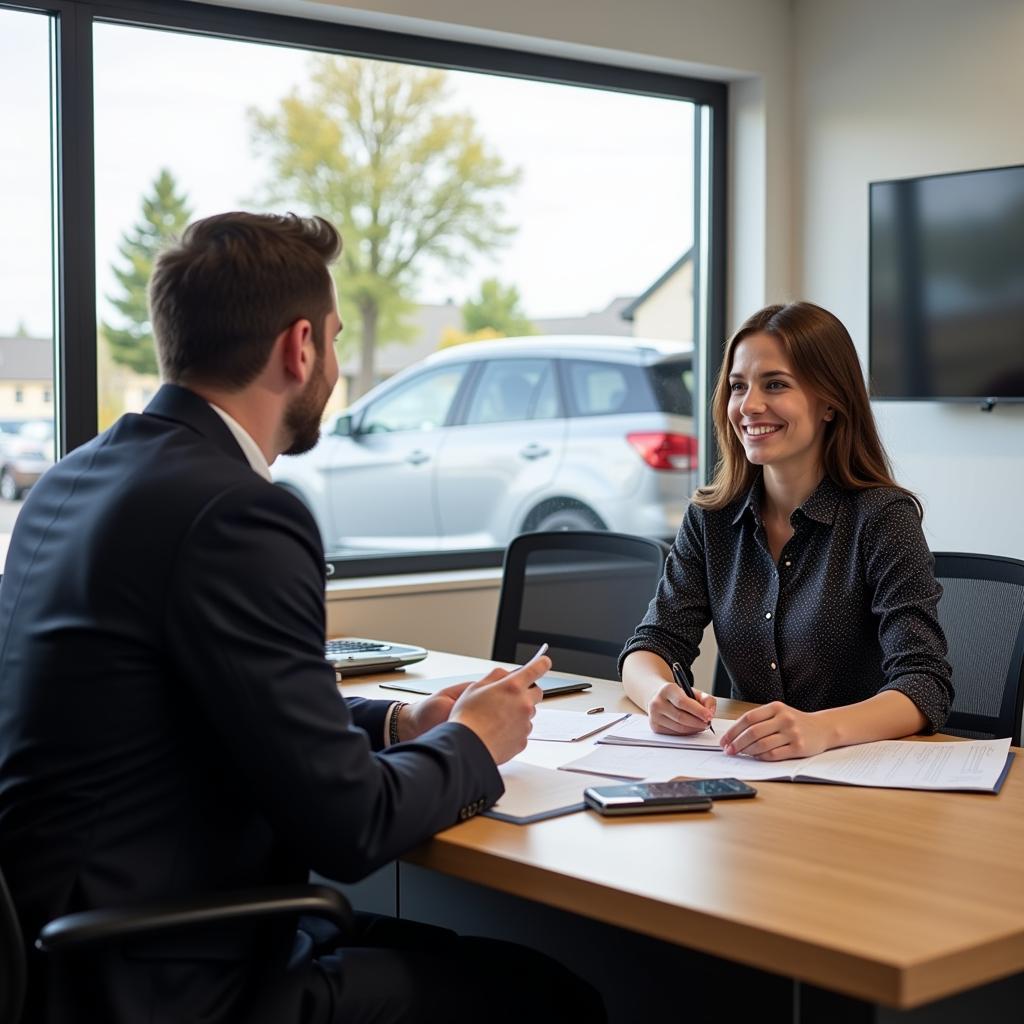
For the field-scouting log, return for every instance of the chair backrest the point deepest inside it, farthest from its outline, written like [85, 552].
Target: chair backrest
[982, 614]
[12, 959]
[583, 592]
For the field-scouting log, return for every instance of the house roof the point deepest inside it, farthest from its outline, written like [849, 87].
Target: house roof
[429, 322]
[603, 321]
[630, 310]
[26, 359]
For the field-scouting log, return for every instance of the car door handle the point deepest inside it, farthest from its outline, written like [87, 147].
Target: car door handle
[417, 457]
[534, 451]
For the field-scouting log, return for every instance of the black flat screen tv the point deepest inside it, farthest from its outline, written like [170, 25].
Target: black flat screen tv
[947, 287]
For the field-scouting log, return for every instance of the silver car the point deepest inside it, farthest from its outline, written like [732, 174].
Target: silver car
[483, 441]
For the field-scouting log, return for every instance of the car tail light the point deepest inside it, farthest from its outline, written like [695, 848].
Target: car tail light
[665, 451]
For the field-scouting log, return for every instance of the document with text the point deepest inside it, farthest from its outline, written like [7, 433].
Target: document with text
[971, 765]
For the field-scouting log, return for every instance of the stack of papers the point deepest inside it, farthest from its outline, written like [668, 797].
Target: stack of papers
[975, 765]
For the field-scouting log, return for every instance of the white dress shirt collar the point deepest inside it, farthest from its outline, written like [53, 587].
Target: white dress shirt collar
[250, 449]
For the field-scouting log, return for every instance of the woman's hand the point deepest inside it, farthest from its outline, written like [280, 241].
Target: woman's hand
[775, 731]
[671, 711]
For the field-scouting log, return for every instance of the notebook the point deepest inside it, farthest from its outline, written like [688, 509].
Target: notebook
[354, 656]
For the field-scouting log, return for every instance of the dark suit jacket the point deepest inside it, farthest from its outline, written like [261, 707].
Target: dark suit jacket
[169, 726]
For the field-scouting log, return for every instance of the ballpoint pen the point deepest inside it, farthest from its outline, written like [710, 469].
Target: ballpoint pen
[679, 675]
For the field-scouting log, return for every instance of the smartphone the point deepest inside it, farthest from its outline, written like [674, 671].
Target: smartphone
[664, 797]
[644, 798]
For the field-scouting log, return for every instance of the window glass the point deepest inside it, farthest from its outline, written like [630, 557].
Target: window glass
[26, 262]
[420, 404]
[474, 207]
[514, 389]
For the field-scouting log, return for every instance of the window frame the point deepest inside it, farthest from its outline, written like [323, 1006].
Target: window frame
[75, 387]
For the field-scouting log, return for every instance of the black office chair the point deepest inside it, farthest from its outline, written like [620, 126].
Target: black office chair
[582, 592]
[982, 614]
[91, 927]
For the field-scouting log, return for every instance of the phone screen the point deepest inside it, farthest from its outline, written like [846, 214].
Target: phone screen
[657, 793]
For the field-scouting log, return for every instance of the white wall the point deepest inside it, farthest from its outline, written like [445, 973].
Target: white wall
[894, 88]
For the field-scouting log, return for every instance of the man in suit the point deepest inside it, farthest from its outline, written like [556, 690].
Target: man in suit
[168, 724]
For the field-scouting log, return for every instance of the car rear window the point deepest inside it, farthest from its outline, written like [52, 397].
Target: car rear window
[673, 386]
[604, 389]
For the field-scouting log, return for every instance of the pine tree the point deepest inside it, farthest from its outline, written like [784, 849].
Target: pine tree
[165, 212]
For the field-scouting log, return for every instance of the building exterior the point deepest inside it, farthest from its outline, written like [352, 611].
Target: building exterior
[26, 378]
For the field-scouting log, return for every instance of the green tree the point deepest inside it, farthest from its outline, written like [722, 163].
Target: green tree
[375, 148]
[165, 212]
[498, 307]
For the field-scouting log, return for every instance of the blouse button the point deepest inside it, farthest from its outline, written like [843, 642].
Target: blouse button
[788, 564]
[767, 615]
[774, 666]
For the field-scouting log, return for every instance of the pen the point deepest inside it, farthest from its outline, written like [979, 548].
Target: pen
[540, 650]
[681, 681]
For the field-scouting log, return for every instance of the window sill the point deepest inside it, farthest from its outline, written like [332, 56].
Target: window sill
[408, 584]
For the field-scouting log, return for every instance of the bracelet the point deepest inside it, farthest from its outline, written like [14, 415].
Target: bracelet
[396, 710]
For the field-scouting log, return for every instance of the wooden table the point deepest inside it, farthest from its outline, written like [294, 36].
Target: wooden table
[897, 898]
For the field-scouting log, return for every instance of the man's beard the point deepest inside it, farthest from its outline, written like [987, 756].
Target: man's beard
[302, 418]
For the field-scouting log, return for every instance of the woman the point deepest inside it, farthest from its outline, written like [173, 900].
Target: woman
[806, 555]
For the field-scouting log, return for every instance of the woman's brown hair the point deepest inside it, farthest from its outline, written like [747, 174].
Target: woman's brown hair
[824, 360]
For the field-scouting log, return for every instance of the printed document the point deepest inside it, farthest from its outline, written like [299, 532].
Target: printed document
[977, 765]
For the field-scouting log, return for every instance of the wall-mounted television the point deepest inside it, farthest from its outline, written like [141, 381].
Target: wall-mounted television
[947, 287]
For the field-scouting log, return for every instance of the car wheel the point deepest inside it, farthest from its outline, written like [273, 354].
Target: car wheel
[576, 517]
[9, 489]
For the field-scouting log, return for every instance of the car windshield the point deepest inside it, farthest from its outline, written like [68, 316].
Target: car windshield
[673, 386]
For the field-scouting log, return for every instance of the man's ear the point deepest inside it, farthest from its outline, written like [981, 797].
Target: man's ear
[298, 353]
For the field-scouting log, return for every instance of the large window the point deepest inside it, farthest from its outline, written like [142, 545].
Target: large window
[26, 262]
[526, 284]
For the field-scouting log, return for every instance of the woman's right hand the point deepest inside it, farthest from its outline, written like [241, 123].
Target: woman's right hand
[671, 711]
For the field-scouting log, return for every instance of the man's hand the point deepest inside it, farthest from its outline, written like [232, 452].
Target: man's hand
[671, 711]
[775, 731]
[500, 707]
[416, 719]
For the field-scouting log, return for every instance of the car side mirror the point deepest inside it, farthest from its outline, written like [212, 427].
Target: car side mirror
[342, 426]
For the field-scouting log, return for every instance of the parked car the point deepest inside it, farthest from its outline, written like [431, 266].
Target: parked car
[482, 441]
[26, 452]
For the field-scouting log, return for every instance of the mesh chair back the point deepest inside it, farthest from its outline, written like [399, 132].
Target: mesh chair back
[582, 592]
[12, 959]
[982, 614]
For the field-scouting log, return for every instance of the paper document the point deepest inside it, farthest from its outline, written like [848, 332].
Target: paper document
[977, 765]
[566, 726]
[637, 732]
[533, 793]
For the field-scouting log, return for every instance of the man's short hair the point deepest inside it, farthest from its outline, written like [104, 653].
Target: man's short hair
[220, 296]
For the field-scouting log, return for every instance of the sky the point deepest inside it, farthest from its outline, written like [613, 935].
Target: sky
[604, 206]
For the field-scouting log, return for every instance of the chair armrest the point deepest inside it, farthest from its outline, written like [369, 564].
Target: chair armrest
[108, 925]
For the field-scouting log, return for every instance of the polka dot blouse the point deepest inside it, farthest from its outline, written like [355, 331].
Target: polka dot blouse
[847, 612]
